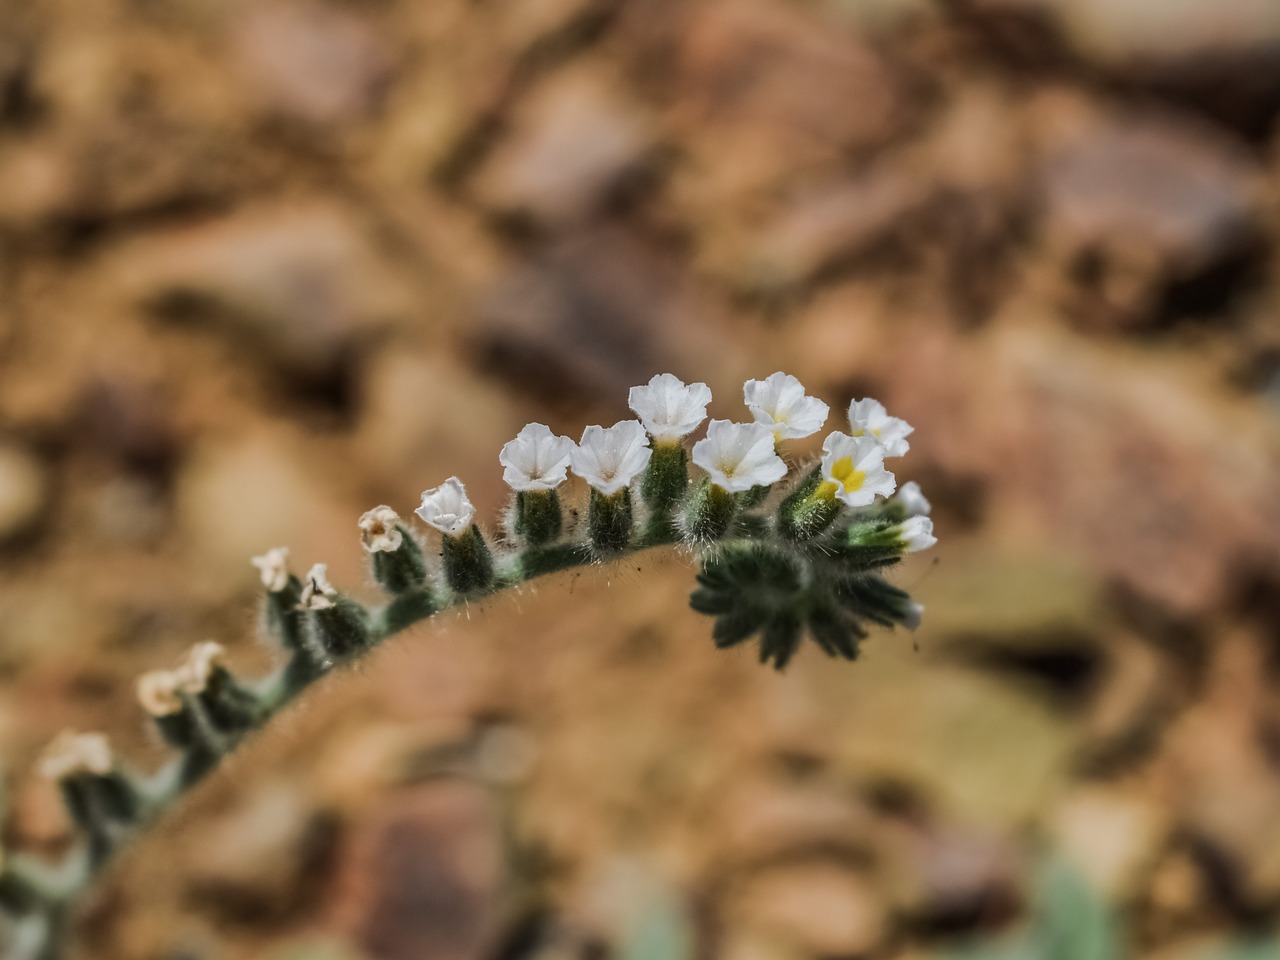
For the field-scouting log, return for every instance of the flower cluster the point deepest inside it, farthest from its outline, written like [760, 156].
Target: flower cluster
[779, 561]
[844, 508]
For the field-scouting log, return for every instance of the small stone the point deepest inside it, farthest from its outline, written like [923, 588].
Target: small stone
[827, 909]
[312, 61]
[574, 141]
[303, 283]
[1137, 204]
[255, 863]
[1114, 839]
[425, 876]
[23, 491]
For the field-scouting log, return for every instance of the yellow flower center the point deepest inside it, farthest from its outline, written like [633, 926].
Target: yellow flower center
[843, 473]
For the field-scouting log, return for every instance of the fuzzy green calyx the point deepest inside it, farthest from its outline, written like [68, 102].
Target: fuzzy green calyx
[403, 568]
[808, 511]
[666, 478]
[610, 520]
[709, 513]
[468, 564]
[539, 519]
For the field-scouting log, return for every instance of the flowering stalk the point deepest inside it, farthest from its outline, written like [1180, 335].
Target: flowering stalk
[811, 566]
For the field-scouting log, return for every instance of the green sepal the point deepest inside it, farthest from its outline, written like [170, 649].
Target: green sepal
[780, 638]
[284, 619]
[403, 568]
[803, 514]
[104, 806]
[871, 598]
[836, 632]
[228, 707]
[709, 513]
[610, 520]
[177, 729]
[340, 630]
[666, 477]
[735, 626]
[468, 564]
[539, 519]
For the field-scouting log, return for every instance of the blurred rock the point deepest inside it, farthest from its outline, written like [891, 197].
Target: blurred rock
[950, 880]
[597, 312]
[1114, 838]
[831, 224]
[23, 491]
[761, 818]
[1139, 208]
[313, 61]
[826, 909]
[574, 141]
[301, 283]
[262, 861]
[1196, 472]
[237, 500]
[424, 876]
[774, 85]
[1124, 31]
[411, 428]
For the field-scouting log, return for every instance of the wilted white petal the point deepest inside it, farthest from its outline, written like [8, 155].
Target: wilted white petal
[916, 533]
[194, 671]
[669, 408]
[380, 530]
[739, 456]
[869, 418]
[274, 568]
[609, 458]
[536, 459]
[779, 402]
[447, 508]
[317, 592]
[74, 753]
[158, 693]
[853, 468]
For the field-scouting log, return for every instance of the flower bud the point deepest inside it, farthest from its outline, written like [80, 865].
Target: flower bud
[337, 626]
[398, 564]
[468, 564]
[709, 513]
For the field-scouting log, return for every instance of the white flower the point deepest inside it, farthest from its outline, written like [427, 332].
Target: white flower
[779, 402]
[74, 753]
[913, 501]
[274, 567]
[380, 530]
[447, 508]
[668, 408]
[194, 672]
[870, 417]
[536, 459]
[609, 458]
[739, 456]
[317, 592]
[853, 468]
[916, 533]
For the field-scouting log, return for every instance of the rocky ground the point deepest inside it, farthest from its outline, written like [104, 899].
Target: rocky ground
[267, 263]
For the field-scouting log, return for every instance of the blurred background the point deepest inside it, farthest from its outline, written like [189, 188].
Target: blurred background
[267, 263]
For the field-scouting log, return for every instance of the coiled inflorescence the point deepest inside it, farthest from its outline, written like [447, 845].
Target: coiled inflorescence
[779, 560]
